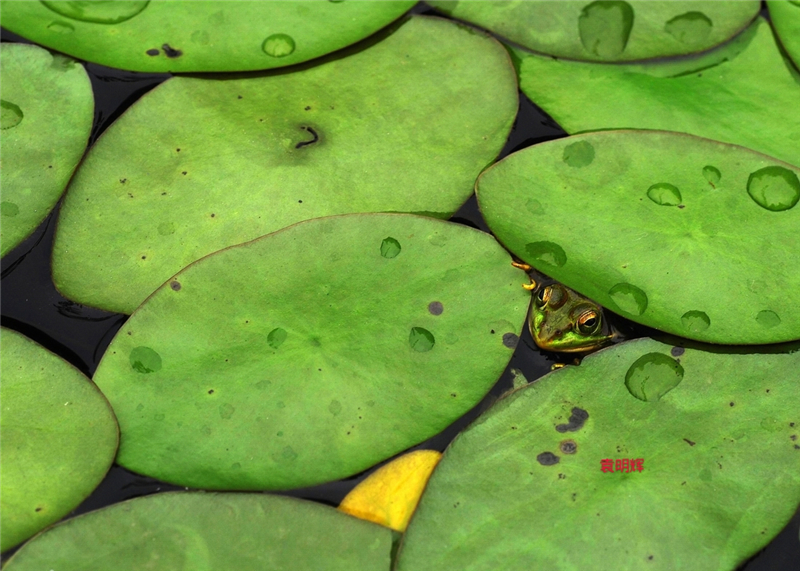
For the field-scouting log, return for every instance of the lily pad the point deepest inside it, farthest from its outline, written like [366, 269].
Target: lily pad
[683, 234]
[178, 36]
[608, 30]
[209, 395]
[46, 113]
[199, 164]
[719, 95]
[197, 530]
[527, 485]
[56, 427]
[786, 19]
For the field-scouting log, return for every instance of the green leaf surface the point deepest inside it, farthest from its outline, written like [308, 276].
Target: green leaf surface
[183, 36]
[683, 234]
[608, 30]
[46, 111]
[203, 531]
[743, 92]
[200, 164]
[309, 355]
[523, 488]
[785, 17]
[59, 438]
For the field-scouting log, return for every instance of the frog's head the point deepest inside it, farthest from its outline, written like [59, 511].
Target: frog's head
[563, 320]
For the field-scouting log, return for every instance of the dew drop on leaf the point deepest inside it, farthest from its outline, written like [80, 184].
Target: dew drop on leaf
[390, 248]
[548, 253]
[276, 337]
[605, 27]
[768, 319]
[652, 376]
[664, 194]
[145, 360]
[629, 298]
[278, 45]
[691, 28]
[578, 155]
[712, 175]
[421, 339]
[10, 115]
[695, 321]
[774, 188]
[98, 11]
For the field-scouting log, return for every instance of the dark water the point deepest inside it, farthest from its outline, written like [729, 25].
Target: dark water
[30, 304]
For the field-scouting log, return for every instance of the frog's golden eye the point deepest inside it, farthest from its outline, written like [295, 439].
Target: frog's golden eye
[588, 322]
[543, 296]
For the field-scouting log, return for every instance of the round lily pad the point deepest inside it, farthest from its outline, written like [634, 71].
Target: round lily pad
[786, 20]
[199, 164]
[180, 36]
[576, 468]
[309, 355]
[197, 530]
[46, 113]
[59, 438]
[683, 234]
[719, 94]
[608, 30]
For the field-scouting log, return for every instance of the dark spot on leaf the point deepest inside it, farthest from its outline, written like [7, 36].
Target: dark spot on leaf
[211, 391]
[175, 285]
[454, 395]
[547, 459]
[122, 180]
[731, 403]
[568, 446]
[793, 437]
[576, 421]
[300, 202]
[184, 172]
[562, 477]
[38, 509]
[312, 141]
[510, 340]
[171, 52]
[677, 351]
[435, 308]
[238, 97]
[153, 52]
[689, 442]
[308, 108]
[212, 215]
[144, 257]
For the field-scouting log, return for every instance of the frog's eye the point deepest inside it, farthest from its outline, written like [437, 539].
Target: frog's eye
[543, 296]
[588, 322]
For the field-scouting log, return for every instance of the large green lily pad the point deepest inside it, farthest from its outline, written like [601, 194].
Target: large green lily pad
[179, 36]
[743, 93]
[312, 353]
[46, 113]
[786, 19]
[608, 30]
[524, 487]
[59, 438]
[198, 164]
[201, 531]
[683, 234]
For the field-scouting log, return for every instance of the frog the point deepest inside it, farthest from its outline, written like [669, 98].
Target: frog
[563, 320]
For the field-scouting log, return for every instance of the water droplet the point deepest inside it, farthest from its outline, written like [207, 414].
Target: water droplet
[61, 27]
[280, 404]
[771, 425]
[510, 340]
[695, 321]
[435, 308]
[421, 339]
[768, 319]
[335, 407]
[289, 453]
[534, 207]
[139, 407]
[8, 209]
[437, 239]
[236, 466]
[604, 27]
[145, 360]
[278, 45]
[705, 475]
[158, 417]
[226, 411]
[664, 194]
[712, 175]
[774, 188]
[10, 115]
[652, 376]
[276, 337]
[201, 37]
[166, 228]
[579, 154]
[547, 459]
[98, 11]
[629, 298]
[261, 385]
[691, 28]
[390, 248]
[548, 253]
